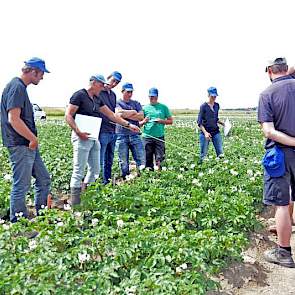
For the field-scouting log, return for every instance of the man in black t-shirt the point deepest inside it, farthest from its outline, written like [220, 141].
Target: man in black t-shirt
[19, 135]
[87, 150]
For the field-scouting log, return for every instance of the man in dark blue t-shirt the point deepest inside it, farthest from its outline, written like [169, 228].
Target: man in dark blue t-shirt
[107, 136]
[276, 115]
[19, 135]
[130, 110]
[208, 121]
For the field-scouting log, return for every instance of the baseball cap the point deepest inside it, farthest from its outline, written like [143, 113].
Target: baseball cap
[99, 78]
[117, 76]
[153, 92]
[274, 162]
[276, 61]
[38, 63]
[127, 87]
[212, 91]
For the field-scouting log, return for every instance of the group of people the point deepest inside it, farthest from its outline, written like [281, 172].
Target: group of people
[121, 123]
[120, 126]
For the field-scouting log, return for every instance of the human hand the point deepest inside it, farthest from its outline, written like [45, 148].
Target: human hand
[208, 136]
[33, 143]
[83, 135]
[134, 128]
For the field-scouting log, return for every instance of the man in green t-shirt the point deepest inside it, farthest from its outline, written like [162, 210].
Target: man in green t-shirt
[157, 115]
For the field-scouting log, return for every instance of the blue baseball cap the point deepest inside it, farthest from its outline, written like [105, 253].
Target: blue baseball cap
[212, 91]
[38, 63]
[127, 87]
[274, 162]
[99, 78]
[153, 92]
[117, 76]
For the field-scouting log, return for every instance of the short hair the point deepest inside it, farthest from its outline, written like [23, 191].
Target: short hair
[277, 69]
[27, 69]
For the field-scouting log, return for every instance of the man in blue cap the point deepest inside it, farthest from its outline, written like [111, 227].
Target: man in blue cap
[276, 115]
[157, 115]
[87, 150]
[130, 110]
[107, 136]
[19, 135]
[208, 121]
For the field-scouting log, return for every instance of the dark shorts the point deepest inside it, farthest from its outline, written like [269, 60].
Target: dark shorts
[277, 189]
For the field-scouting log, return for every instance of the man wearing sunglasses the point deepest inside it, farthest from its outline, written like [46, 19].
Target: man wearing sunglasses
[87, 150]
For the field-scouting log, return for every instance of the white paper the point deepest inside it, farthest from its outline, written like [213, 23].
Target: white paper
[227, 127]
[89, 124]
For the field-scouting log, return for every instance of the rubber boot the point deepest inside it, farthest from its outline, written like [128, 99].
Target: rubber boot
[75, 195]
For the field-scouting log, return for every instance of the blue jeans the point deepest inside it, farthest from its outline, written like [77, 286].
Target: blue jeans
[25, 164]
[86, 152]
[134, 143]
[217, 142]
[107, 150]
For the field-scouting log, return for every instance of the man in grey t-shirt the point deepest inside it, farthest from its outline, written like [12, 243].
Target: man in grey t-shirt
[19, 135]
[276, 115]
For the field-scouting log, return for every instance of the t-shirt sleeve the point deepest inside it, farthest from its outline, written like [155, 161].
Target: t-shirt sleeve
[138, 107]
[218, 108]
[76, 99]
[200, 116]
[16, 98]
[100, 102]
[168, 113]
[265, 110]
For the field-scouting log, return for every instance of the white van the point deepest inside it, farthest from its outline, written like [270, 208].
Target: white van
[39, 114]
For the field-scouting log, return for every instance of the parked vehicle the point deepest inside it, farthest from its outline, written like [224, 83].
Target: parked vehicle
[39, 114]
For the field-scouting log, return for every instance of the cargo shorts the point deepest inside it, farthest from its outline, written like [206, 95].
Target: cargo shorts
[279, 191]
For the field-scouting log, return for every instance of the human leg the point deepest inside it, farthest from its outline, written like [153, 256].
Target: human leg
[22, 160]
[149, 147]
[109, 158]
[42, 183]
[123, 153]
[93, 162]
[204, 145]
[217, 142]
[137, 150]
[80, 156]
[159, 151]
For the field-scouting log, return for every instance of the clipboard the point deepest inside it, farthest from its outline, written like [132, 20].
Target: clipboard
[89, 124]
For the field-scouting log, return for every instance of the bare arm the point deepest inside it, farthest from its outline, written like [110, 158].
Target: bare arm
[21, 128]
[69, 116]
[168, 121]
[126, 114]
[206, 133]
[137, 117]
[116, 117]
[275, 135]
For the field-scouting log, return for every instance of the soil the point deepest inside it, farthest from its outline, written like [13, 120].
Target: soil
[255, 275]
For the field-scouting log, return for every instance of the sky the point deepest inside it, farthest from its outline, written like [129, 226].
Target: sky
[180, 47]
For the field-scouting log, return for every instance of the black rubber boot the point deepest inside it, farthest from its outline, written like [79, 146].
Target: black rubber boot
[75, 195]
